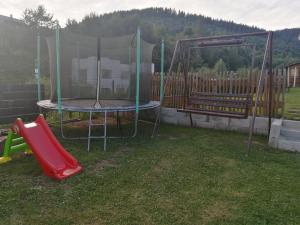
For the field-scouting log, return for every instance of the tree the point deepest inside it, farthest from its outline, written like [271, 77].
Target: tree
[72, 24]
[188, 31]
[204, 70]
[220, 66]
[38, 18]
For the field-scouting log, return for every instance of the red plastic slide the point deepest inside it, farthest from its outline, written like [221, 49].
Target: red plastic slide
[52, 157]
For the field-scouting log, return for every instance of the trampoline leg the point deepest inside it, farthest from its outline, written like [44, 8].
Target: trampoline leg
[119, 125]
[89, 135]
[191, 120]
[105, 126]
[62, 125]
[136, 124]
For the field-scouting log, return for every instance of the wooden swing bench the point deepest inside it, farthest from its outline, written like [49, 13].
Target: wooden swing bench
[218, 104]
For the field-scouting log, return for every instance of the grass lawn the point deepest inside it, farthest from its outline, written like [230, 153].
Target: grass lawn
[185, 176]
[292, 104]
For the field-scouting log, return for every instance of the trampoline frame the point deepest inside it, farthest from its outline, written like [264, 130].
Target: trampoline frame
[47, 104]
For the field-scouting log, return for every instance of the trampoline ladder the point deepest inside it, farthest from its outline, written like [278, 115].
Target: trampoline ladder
[91, 124]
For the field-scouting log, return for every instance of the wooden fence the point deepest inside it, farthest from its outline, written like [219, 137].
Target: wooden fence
[229, 83]
[293, 76]
[18, 101]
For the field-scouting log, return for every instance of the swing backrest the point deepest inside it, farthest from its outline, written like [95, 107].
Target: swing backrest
[218, 104]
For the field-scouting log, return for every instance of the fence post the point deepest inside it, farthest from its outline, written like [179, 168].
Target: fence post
[162, 52]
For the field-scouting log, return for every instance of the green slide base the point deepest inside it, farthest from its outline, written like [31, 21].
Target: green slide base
[4, 159]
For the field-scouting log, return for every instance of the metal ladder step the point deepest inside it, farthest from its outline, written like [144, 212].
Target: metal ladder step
[91, 124]
[97, 124]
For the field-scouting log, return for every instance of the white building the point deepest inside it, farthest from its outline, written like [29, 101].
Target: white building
[115, 77]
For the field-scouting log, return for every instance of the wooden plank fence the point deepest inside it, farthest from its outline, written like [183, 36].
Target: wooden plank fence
[226, 83]
[18, 101]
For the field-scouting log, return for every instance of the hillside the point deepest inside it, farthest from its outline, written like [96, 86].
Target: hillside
[157, 23]
[18, 42]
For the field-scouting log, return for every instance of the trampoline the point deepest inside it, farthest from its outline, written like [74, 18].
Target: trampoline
[99, 75]
[87, 105]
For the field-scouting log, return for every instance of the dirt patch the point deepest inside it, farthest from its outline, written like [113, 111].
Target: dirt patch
[173, 137]
[42, 182]
[163, 165]
[227, 175]
[229, 162]
[105, 164]
[225, 161]
[121, 152]
[239, 194]
[111, 121]
[258, 144]
[112, 162]
[216, 211]
[84, 123]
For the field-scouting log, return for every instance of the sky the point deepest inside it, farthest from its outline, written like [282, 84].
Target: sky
[267, 14]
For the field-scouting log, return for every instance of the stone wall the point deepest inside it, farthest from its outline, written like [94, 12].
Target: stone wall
[171, 116]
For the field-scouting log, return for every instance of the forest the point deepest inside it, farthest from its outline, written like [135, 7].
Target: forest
[158, 23]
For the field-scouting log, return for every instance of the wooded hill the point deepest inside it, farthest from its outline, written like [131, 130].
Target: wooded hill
[18, 44]
[157, 23]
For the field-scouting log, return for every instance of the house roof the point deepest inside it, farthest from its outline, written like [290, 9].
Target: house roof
[10, 19]
[293, 64]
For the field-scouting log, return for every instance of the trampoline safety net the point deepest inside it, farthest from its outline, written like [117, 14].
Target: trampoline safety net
[84, 58]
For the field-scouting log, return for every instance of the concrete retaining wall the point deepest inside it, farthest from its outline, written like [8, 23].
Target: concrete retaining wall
[171, 116]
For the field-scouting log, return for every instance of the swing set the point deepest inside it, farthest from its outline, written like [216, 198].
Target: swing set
[218, 103]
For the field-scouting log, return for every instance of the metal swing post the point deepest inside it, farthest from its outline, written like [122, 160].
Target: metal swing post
[162, 78]
[258, 93]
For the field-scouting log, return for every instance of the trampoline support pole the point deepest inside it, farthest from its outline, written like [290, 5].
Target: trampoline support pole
[90, 127]
[58, 89]
[138, 70]
[105, 130]
[99, 73]
[38, 66]
[130, 71]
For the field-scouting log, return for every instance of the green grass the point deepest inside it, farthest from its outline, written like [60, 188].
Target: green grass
[185, 176]
[292, 104]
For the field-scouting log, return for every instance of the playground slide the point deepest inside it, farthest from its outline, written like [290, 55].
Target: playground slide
[55, 161]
